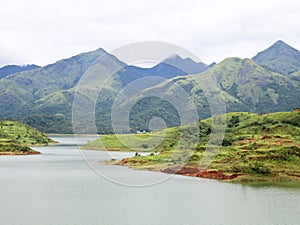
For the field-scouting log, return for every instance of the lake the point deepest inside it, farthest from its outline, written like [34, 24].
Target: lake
[59, 187]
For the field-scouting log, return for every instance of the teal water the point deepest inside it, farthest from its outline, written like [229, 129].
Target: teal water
[59, 188]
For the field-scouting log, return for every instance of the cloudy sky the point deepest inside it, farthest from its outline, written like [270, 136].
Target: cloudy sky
[44, 31]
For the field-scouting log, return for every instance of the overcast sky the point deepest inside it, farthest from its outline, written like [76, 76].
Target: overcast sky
[44, 31]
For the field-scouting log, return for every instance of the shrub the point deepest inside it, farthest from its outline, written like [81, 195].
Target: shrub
[228, 140]
[259, 167]
[194, 158]
[234, 121]
[200, 148]
[145, 146]
[287, 153]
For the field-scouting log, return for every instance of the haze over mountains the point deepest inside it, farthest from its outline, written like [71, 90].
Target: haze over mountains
[10, 69]
[43, 97]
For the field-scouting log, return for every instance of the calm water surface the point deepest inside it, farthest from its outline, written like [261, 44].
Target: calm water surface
[59, 188]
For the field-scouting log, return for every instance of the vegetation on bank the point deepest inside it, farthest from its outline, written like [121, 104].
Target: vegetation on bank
[56, 123]
[255, 148]
[16, 137]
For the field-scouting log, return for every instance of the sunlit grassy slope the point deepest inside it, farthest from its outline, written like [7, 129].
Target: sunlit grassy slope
[255, 147]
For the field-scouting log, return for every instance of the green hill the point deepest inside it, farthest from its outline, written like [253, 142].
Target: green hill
[24, 89]
[255, 148]
[280, 57]
[244, 85]
[47, 93]
[16, 137]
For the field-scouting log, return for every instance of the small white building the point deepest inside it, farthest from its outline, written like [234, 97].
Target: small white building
[141, 132]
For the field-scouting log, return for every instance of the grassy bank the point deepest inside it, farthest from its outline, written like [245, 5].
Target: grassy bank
[16, 138]
[255, 148]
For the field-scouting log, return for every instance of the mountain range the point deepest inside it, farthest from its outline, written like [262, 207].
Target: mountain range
[42, 97]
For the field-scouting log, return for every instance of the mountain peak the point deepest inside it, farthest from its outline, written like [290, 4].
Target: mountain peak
[281, 45]
[173, 56]
[280, 57]
[178, 58]
[280, 42]
[187, 65]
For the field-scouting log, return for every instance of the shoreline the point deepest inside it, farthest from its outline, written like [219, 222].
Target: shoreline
[184, 170]
[19, 153]
[191, 170]
[83, 135]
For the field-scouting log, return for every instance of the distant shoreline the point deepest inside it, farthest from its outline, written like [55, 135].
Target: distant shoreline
[20, 153]
[83, 135]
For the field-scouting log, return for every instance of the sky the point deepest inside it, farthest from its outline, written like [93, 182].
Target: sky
[44, 31]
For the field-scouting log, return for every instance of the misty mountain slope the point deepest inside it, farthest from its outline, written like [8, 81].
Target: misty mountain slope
[280, 57]
[168, 68]
[295, 76]
[132, 73]
[11, 69]
[187, 65]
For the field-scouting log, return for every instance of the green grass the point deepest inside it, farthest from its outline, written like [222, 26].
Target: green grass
[256, 147]
[129, 142]
[16, 137]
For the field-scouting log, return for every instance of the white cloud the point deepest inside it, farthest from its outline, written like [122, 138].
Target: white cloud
[42, 32]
